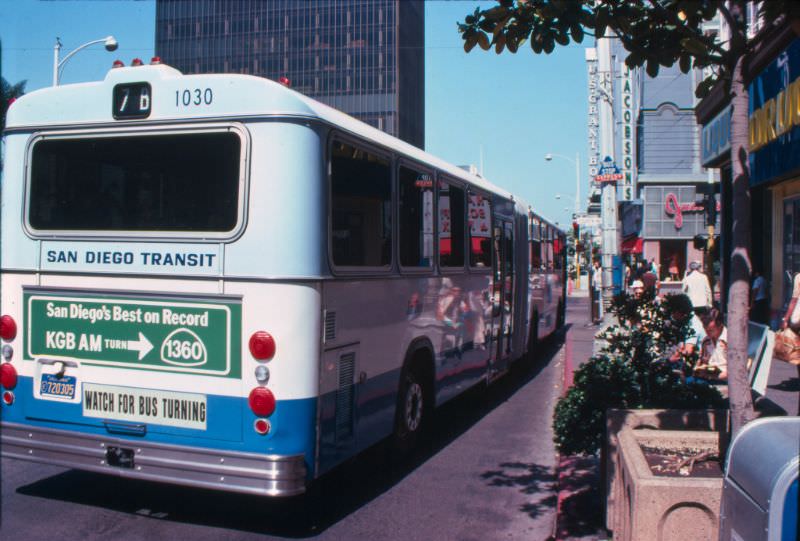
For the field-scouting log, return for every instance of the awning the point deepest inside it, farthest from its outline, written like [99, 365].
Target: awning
[632, 245]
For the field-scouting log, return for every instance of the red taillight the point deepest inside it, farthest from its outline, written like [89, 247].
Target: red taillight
[262, 346]
[8, 376]
[118, 64]
[8, 328]
[261, 426]
[155, 60]
[8, 398]
[262, 401]
[136, 62]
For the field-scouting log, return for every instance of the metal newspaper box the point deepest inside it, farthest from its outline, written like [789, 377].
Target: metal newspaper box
[760, 492]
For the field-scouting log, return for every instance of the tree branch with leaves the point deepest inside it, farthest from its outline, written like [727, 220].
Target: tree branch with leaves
[659, 33]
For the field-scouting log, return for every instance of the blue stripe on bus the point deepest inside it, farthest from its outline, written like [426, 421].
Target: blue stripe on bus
[229, 424]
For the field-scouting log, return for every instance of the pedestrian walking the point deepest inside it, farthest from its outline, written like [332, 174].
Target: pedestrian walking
[597, 292]
[698, 288]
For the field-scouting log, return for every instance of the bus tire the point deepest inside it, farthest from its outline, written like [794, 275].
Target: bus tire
[414, 405]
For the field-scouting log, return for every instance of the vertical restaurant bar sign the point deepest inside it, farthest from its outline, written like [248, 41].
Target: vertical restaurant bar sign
[171, 335]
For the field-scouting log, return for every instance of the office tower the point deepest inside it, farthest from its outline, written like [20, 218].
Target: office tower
[364, 57]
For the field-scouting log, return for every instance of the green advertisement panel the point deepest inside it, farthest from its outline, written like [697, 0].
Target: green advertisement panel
[172, 335]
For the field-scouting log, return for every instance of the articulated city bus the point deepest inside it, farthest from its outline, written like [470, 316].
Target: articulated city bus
[214, 281]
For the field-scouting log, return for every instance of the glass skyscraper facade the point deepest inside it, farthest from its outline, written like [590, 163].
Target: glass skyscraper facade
[363, 57]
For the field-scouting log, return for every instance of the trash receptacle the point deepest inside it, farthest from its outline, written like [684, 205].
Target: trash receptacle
[760, 491]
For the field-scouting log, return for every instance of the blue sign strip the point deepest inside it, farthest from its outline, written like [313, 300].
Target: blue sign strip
[774, 135]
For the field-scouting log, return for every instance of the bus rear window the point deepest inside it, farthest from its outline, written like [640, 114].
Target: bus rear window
[171, 183]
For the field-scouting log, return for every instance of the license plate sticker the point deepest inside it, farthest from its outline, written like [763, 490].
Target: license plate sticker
[53, 386]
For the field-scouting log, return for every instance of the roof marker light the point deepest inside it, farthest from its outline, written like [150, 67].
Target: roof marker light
[137, 62]
[155, 60]
[285, 81]
[118, 64]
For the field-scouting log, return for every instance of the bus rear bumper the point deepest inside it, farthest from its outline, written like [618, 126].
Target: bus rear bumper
[248, 473]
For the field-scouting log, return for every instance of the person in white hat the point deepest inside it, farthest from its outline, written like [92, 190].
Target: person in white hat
[697, 287]
[638, 288]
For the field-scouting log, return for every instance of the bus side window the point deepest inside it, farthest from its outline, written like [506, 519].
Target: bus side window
[361, 207]
[536, 246]
[416, 218]
[451, 225]
[480, 232]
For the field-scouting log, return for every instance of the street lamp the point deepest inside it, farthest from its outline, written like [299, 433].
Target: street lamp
[110, 43]
[577, 161]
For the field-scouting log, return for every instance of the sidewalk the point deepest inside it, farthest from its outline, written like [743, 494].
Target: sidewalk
[580, 501]
[581, 515]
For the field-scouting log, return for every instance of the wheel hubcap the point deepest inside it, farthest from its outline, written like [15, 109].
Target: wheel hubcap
[413, 407]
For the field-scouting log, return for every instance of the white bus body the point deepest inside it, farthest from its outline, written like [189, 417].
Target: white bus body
[179, 250]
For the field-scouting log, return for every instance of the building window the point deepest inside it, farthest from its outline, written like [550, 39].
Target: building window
[361, 203]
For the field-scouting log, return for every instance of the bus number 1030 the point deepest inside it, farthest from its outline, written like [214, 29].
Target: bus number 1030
[197, 96]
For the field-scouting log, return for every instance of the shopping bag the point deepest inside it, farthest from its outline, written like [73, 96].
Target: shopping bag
[787, 346]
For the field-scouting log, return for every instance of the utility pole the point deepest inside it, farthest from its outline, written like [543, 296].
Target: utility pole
[608, 194]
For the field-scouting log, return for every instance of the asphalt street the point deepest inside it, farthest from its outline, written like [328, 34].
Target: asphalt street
[488, 473]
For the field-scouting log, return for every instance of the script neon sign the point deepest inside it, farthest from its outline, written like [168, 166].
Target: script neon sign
[673, 208]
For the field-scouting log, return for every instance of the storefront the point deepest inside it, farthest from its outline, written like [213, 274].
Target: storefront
[774, 125]
[673, 217]
[774, 159]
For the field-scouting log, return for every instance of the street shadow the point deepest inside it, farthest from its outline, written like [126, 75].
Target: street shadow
[582, 512]
[331, 498]
[530, 480]
[791, 385]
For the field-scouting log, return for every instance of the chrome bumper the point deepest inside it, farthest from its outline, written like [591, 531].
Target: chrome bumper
[249, 473]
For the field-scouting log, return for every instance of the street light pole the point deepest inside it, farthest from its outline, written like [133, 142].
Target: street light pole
[110, 43]
[549, 157]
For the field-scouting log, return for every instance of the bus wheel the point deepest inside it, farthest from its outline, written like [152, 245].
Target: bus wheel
[412, 410]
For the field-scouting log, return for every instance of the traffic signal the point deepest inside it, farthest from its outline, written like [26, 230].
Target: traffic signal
[700, 242]
[576, 230]
[710, 207]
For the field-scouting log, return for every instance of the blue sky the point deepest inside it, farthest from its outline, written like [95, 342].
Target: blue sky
[509, 109]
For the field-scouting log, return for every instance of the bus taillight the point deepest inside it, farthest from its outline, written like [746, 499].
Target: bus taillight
[8, 376]
[8, 328]
[262, 401]
[262, 346]
[261, 426]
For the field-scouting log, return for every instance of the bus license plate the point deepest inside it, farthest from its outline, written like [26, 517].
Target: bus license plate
[63, 387]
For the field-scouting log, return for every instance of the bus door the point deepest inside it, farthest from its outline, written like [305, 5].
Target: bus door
[502, 296]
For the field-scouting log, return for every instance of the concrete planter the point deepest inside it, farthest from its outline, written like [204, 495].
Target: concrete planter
[618, 420]
[665, 508]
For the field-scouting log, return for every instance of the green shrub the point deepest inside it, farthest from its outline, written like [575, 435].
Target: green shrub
[630, 372]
